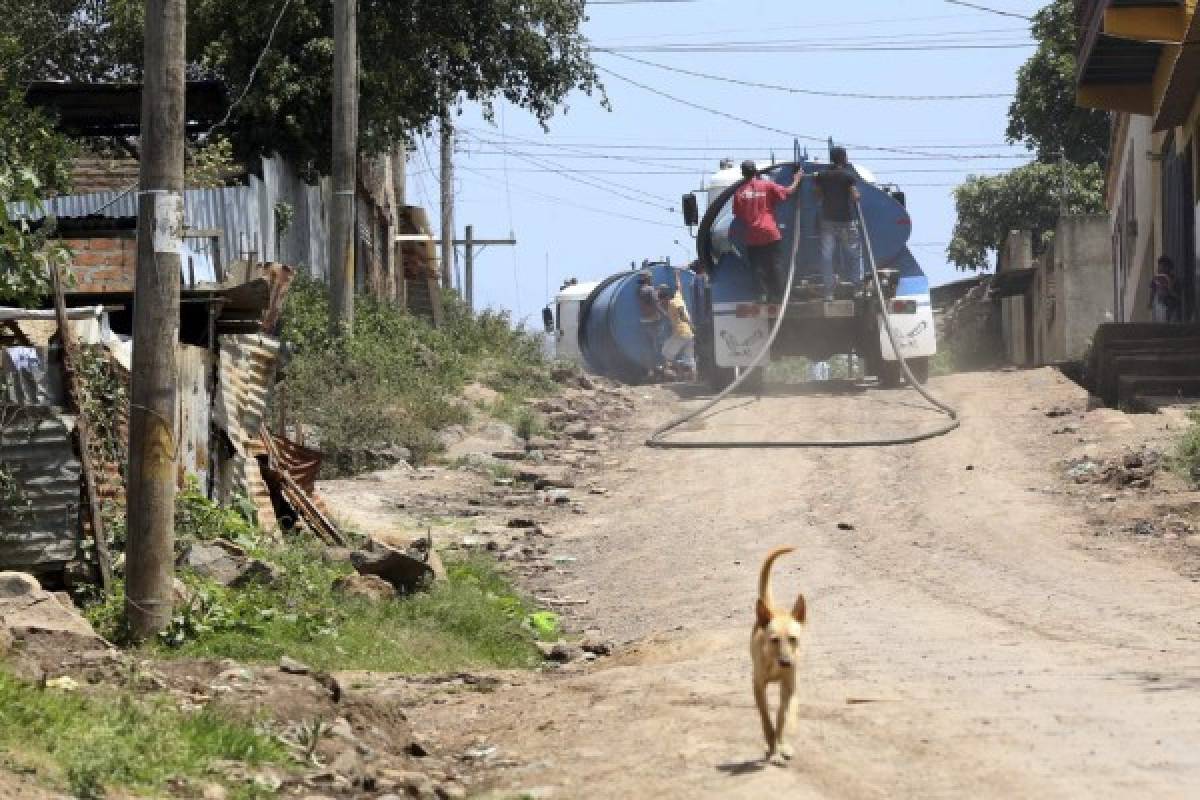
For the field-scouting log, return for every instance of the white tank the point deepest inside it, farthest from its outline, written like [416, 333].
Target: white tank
[566, 321]
[727, 176]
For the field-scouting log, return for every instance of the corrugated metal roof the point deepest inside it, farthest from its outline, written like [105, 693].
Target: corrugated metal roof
[41, 531]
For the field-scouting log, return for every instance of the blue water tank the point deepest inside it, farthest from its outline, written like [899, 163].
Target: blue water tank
[611, 336]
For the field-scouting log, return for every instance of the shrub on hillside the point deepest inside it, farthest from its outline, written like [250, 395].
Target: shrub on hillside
[396, 379]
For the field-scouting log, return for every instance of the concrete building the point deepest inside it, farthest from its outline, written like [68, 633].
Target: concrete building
[1141, 60]
[1051, 304]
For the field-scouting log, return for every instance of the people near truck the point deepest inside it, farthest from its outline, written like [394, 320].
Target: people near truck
[1165, 302]
[652, 313]
[680, 348]
[754, 204]
[839, 228]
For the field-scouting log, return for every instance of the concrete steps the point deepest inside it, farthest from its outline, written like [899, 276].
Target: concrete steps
[1135, 360]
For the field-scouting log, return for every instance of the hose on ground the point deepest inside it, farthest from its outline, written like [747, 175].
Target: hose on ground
[657, 439]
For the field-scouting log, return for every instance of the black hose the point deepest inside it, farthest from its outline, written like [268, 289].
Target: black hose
[656, 437]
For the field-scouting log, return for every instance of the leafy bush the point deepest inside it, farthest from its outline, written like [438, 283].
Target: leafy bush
[396, 379]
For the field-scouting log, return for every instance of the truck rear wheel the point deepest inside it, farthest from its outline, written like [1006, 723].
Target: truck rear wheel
[889, 373]
[920, 368]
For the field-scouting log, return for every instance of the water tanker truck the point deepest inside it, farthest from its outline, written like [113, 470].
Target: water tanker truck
[722, 295]
[732, 323]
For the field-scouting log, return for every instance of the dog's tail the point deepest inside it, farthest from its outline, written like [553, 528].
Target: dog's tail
[764, 577]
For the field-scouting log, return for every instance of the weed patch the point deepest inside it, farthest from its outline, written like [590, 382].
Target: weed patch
[89, 744]
[396, 379]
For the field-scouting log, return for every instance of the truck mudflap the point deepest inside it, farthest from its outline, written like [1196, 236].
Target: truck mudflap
[915, 334]
[739, 333]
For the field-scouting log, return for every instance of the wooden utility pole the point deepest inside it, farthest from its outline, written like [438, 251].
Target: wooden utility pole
[345, 164]
[469, 244]
[447, 131]
[149, 555]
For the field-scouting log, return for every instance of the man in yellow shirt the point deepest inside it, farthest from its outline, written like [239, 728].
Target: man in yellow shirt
[681, 345]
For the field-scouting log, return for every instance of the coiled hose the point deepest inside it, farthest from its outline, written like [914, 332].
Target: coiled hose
[657, 439]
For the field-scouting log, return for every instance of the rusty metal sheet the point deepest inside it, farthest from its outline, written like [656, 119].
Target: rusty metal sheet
[39, 532]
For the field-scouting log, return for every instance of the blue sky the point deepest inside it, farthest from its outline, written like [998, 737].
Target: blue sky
[592, 194]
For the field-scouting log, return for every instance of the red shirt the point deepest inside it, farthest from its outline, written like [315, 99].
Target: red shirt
[754, 204]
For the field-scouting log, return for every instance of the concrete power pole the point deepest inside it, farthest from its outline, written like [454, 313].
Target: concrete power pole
[447, 130]
[153, 432]
[342, 234]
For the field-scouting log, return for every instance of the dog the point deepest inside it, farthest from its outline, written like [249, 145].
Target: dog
[775, 650]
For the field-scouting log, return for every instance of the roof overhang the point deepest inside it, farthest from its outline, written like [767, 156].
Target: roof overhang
[115, 109]
[1012, 282]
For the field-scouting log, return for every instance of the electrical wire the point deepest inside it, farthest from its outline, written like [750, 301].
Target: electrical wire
[511, 234]
[759, 125]
[616, 189]
[988, 10]
[568, 202]
[656, 439]
[811, 92]
[254, 70]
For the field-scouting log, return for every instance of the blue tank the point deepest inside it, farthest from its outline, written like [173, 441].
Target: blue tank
[611, 336]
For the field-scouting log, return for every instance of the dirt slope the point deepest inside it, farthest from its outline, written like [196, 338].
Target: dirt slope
[969, 636]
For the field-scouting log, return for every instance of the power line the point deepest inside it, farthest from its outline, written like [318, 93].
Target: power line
[760, 126]
[861, 23]
[792, 49]
[988, 10]
[571, 203]
[595, 184]
[254, 70]
[813, 92]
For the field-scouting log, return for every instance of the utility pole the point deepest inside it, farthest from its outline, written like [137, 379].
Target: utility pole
[469, 244]
[342, 232]
[153, 437]
[469, 265]
[447, 131]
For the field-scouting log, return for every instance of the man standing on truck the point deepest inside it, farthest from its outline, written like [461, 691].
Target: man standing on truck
[652, 314]
[754, 204]
[839, 199]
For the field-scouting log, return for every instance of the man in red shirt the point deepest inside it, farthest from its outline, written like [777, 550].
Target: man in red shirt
[754, 204]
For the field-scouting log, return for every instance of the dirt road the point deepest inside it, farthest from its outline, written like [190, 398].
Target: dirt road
[970, 637]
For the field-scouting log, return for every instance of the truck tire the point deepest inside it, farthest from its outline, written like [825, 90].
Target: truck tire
[754, 382]
[920, 369]
[889, 373]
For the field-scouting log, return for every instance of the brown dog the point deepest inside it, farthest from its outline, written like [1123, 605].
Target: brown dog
[774, 647]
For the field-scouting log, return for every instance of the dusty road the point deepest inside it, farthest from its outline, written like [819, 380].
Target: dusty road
[967, 637]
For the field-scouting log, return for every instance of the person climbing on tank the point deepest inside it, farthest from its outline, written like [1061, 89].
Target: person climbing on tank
[653, 314]
[839, 201]
[754, 203]
[680, 347]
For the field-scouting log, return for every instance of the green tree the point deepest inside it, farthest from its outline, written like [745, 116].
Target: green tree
[1068, 141]
[34, 160]
[1026, 198]
[1043, 114]
[413, 54]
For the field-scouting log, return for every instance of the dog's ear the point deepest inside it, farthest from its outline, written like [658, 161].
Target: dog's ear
[762, 613]
[800, 610]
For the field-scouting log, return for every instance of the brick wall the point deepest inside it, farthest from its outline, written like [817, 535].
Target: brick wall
[102, 263]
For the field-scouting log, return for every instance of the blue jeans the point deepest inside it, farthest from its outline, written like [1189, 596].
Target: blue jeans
[653, 331]
[846, 235]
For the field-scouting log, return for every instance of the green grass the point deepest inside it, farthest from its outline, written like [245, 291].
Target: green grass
[473, 620]
[89, 743]
[1186, 458]
[396, 379]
